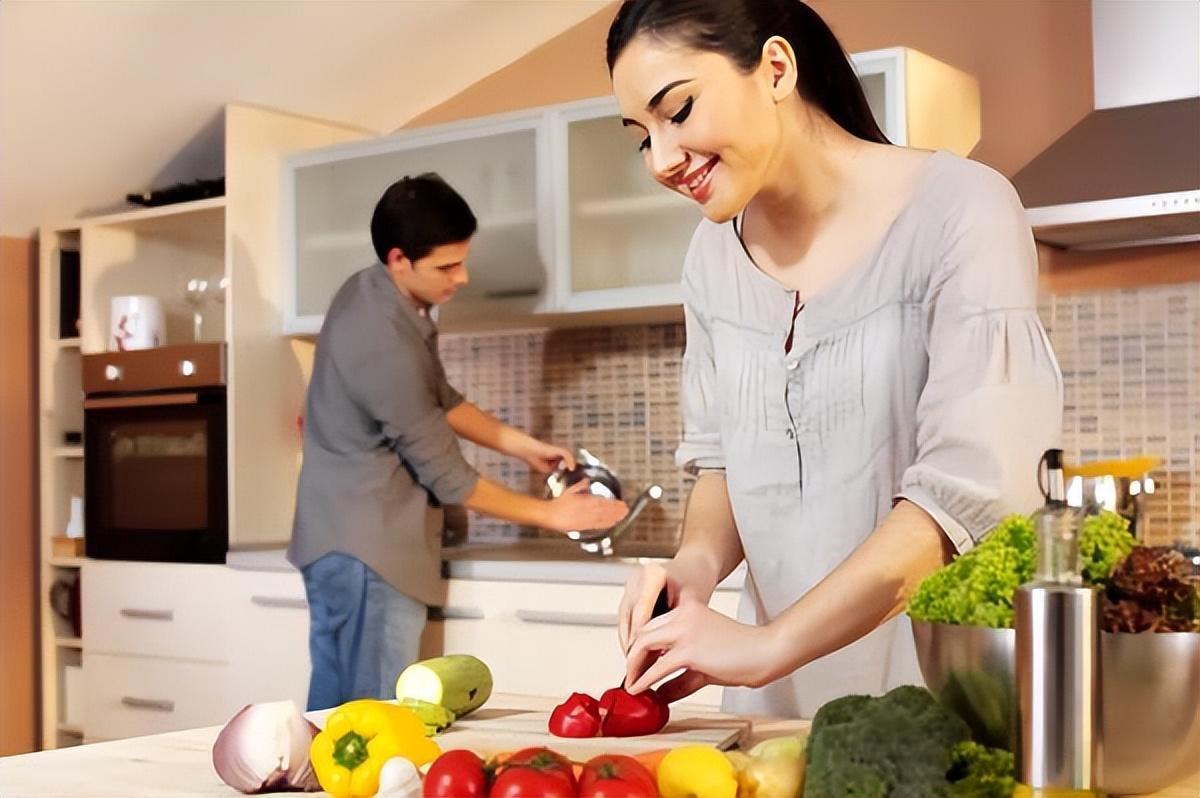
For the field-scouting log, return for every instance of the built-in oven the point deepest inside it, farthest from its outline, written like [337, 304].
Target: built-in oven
[155, 454]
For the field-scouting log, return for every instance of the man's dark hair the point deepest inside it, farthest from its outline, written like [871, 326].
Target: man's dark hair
[417, 214]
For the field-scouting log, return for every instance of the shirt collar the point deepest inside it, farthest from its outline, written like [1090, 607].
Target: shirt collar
[419, 320]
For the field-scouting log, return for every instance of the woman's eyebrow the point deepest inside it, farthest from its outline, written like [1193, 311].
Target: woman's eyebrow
[658, 96]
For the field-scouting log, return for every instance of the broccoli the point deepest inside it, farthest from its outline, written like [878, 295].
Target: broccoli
[897, 746]
[977, 588]
[980, 772]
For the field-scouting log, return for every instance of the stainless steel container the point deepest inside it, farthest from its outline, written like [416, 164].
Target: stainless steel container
[1150, 697]
[1058, 685]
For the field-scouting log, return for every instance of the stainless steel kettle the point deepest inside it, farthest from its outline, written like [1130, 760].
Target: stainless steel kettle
[602, 481]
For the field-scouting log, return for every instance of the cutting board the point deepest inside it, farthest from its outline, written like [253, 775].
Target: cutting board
[492, 730]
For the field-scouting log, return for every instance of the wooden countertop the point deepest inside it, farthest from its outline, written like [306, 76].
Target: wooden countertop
[179, 764]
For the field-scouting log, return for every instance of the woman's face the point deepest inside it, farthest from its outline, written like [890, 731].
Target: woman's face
[705, 129]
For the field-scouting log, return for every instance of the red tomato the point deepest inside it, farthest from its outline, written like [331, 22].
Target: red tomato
[534, 773]
[616, 776]
[625, 715]
[578, 716]
[456, 774]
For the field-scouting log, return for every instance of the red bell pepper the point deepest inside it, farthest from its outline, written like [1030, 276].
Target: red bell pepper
[578, 716]
[625, 715]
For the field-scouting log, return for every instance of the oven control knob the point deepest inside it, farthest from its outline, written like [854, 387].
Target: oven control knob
[112, 372]
[187, 368]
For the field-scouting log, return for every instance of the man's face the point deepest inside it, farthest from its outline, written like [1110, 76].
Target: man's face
[435, 278]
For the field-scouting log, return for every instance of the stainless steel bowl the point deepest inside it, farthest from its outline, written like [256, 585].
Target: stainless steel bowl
[1150, 727]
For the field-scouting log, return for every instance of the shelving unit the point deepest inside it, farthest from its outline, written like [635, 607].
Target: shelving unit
[156, 252]
[60, 409]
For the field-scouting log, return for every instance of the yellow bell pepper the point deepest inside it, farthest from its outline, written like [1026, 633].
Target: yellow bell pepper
[359, 737]
[697, 771]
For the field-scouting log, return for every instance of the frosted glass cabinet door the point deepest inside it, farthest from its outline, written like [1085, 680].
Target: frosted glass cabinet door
[493, 168]
[627, 234]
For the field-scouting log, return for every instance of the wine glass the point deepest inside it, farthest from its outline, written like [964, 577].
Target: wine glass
[196, 295]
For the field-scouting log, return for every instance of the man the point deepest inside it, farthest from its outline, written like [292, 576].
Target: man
[381, 453]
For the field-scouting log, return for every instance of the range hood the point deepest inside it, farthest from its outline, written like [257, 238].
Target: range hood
[1129, 173]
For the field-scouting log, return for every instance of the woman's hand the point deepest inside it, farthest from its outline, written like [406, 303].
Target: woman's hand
[685, 575]
[578, 509]
[707, 646]
[542, 457]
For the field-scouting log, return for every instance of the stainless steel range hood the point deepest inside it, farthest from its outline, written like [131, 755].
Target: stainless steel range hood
[1129, 173]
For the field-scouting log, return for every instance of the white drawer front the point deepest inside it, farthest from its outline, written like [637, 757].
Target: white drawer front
[134, 696]
[269, 633]
[157, 609]
[547, 639]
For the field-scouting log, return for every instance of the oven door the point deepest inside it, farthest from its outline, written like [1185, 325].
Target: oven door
[155, 477]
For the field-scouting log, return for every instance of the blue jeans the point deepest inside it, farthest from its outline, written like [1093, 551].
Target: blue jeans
[362, 632]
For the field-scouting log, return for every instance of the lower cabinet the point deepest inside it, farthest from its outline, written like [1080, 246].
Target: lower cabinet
[169, 647]
[547, 639]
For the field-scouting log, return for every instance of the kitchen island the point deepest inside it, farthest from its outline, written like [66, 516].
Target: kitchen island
[179, 764]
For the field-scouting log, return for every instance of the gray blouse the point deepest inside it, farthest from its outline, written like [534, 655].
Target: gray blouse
[923, 374]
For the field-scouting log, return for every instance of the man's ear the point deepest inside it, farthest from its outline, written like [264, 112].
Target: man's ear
[397, 262]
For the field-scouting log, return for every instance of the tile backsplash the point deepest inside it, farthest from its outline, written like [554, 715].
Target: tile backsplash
[1131, 371]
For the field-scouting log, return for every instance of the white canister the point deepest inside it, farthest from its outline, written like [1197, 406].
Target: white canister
[136, 322]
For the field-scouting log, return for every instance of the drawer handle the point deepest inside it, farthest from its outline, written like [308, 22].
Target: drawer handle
[454, 614]
[148, 615]
[156, 704]
[568, 618]
[280, 601]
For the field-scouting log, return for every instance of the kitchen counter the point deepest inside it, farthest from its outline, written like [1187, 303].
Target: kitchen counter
[179, 763]
[526, 560]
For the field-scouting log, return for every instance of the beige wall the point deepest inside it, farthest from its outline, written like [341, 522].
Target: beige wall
[18, 530]
[1033, 60]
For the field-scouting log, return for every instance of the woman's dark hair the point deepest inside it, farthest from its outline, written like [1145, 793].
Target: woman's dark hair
[417, 214]
[738, 29]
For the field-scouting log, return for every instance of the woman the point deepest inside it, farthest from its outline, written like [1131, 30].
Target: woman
[866, 386]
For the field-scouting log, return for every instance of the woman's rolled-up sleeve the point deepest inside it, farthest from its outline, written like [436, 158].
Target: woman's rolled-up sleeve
[700, 444]
[992, 402]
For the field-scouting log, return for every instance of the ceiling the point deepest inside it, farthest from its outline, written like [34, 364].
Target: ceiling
[98, 99]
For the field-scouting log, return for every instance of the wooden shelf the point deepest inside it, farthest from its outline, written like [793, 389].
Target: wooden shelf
[70, 728]
[67, 562]
[68, 343]
[69, 452]
[157, 212]
[69, 642]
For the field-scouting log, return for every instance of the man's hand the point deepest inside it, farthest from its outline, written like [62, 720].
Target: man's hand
[542, 457]
[578, 509]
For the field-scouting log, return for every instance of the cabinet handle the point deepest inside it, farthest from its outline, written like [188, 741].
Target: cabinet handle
[148, 615]
[155, 704]
[454, 614]
[280, 601]
[568, 618]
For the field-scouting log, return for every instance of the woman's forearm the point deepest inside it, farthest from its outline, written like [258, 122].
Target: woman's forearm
[710, 548]
[870, 587]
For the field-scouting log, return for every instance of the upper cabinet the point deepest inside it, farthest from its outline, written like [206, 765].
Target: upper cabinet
[620, 236]
[494, 165]
[570, 220]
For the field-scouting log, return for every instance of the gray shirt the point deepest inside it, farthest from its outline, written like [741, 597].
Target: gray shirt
[379, 456]
[923, 373]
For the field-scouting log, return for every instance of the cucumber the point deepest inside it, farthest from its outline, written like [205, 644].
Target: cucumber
[435, 716]
[459, 682]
